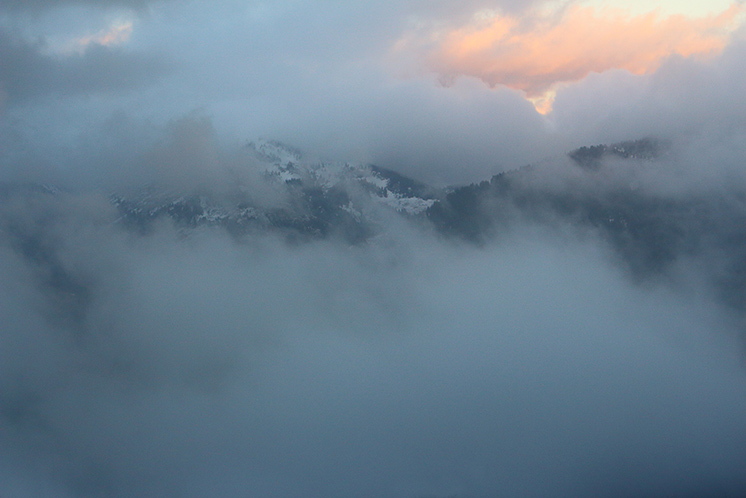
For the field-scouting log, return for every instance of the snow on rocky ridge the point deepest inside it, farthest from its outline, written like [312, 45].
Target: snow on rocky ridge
[287, 165]
[314, 199]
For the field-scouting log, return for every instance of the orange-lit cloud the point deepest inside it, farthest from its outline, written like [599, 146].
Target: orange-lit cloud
[114, 35]
[536, 52]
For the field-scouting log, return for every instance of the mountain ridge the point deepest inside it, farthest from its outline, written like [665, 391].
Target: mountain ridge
[591, 189]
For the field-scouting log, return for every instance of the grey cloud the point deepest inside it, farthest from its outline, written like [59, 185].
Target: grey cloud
[685, 97]
[41, 5]
[311, 75]
[29, 73]
[403, 368]
[318, 76]
[694, 104]
[122, 153]
[441, 136]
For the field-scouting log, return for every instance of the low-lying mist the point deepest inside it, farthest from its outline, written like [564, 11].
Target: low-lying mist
[197, 365]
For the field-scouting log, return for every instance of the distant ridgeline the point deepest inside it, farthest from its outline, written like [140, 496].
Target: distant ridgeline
[649, 230]
[318, 200]
[595, 188]
[591, 157]
[479, 211]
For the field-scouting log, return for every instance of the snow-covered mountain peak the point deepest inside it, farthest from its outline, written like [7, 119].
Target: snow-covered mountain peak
[275, 152]
[287, 165]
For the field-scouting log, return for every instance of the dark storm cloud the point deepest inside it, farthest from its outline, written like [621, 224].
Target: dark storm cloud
[29, 73]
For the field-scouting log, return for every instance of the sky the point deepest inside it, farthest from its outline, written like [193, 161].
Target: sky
[449, 92]
[410, 366]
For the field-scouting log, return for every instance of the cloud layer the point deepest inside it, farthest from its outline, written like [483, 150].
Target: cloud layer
[534, 53]
[352, 83]
[404, 368]
[42, 5]
[29, 73]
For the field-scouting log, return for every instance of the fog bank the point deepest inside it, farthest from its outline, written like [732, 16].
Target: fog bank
[406, 367]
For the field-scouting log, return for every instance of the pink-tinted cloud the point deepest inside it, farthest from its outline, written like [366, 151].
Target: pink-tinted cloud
[116, 34]
[535, 52]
